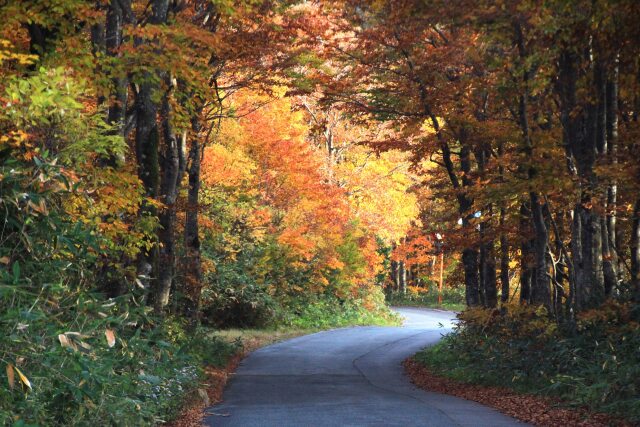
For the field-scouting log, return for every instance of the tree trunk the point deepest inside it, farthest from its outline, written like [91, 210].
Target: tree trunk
[635, 251]
[193, 266]
[490, 278]
[526, 254]
[482, 263]
[470, 254]
[147, 142]
[540, 291]
[470, 264]
[173, 166]
[610, 249]
[403, 277]
[580, 135]
[395, 276]
[504, 260]
[118, 14]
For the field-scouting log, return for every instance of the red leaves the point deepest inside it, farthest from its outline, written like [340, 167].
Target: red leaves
[536, 410]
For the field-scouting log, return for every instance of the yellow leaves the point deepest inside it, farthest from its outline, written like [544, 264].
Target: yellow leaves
[5, 260]
[379, 191]
[11, 371]
[227, 166]
[8, 53]
[66, 342]
[40, 207]
[23, 378]
[73, 340]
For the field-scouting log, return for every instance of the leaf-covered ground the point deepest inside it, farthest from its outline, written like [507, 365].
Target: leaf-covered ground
[535, 410]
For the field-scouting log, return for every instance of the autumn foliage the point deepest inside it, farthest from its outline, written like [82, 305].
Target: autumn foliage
[167, 164]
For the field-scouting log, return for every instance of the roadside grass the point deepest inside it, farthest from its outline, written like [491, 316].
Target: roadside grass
[252, 339]
[452, 298]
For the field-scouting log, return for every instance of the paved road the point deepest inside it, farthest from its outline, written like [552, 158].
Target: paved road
[346, 377]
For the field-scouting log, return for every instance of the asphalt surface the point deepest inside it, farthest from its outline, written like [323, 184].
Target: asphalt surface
[347, 377]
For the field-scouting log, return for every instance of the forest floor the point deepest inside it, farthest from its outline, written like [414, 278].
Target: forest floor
[535, 410]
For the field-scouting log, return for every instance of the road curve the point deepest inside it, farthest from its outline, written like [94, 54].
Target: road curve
[346, 377]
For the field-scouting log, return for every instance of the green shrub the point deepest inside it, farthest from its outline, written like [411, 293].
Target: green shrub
[232, 298]
[594, 363]
[72, 356]
[330, 311]
[453, 298]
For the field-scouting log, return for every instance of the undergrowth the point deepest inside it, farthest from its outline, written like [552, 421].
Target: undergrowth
[452, 298]
[593, 363]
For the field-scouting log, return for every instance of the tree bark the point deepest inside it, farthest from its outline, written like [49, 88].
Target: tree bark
[193, 266]
[540, 291]
[470, 265]
[580, 139]
[147, 143]
[118, 14]
[403, 277]
[610, 249]
[635, 251]
[504, 260]
[527, 264]
[173, 167]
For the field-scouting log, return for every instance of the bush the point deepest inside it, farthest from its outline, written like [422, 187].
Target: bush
[330, 311]
[232, 298]
[593, 363]
[72, 356]
[452, 297]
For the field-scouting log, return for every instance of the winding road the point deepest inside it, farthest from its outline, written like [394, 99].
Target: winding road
[347, 377]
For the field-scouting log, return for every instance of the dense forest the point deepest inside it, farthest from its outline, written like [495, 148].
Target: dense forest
[169, 167]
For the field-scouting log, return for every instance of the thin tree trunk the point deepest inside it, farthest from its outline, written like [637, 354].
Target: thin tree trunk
[470, 265]
[504, 260]
[482, 264]
[193, 266]
[526, 255]
[403, 277]
[118, 14]
[490, 277]
[610, 249]
[635, 251]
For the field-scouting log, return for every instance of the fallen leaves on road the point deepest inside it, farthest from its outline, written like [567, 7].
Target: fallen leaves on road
[536, 410]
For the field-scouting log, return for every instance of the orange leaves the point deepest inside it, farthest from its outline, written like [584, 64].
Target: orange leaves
[10, 375]
[265, 153]
[536, 410]
[279, 186]
[110, 335]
